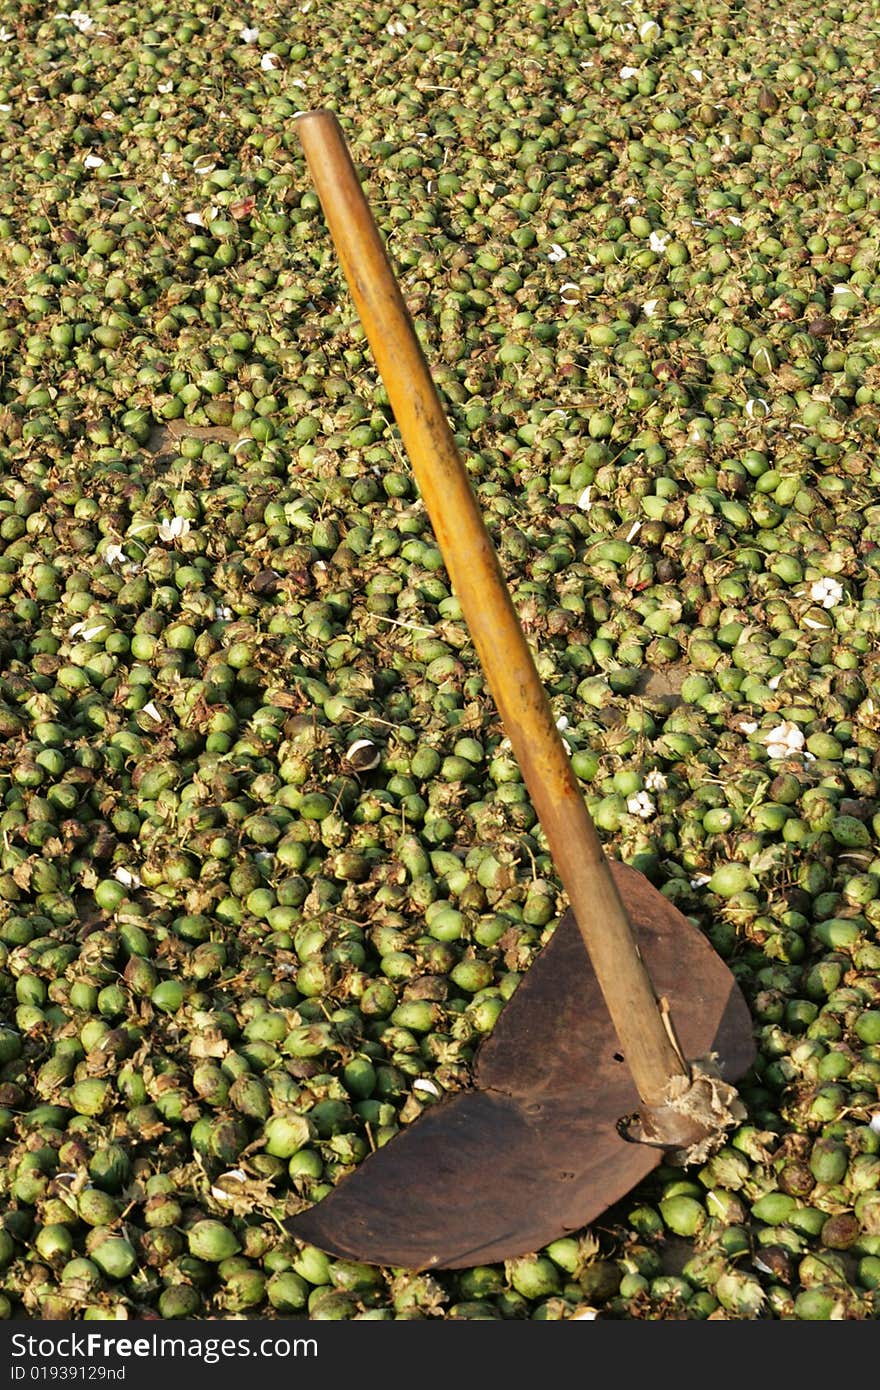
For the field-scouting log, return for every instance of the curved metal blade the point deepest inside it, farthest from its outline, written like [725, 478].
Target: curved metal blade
[534, 1151]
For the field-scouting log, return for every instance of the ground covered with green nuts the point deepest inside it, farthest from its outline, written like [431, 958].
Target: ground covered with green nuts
[268, 871]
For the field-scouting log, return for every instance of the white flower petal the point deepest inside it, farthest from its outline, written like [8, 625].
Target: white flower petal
[556, 253]
[658, 240]
[649, 308]
[756, 407]
[826, 592]
[633, 531]
[568, 298]
[655, 781]
[113, 554]
[269, 62]
[696, 74]
[748, 726]
[93, 161]
[584, 501]
[248, 35]
[627, 72]
[422, 1085]
[785, 740]
[364, 745]
[151, 711]
[171, 530]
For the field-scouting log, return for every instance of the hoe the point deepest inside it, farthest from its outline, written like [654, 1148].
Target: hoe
[619, 1048]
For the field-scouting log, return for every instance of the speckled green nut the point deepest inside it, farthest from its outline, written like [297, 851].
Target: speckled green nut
[210, 1240]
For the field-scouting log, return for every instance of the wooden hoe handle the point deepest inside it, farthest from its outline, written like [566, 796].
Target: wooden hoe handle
[474, 571]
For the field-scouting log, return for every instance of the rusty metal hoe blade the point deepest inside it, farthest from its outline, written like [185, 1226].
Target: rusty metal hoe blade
[622, 1043]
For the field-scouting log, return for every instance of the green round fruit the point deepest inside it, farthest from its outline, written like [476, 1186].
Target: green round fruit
[211, 1241]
